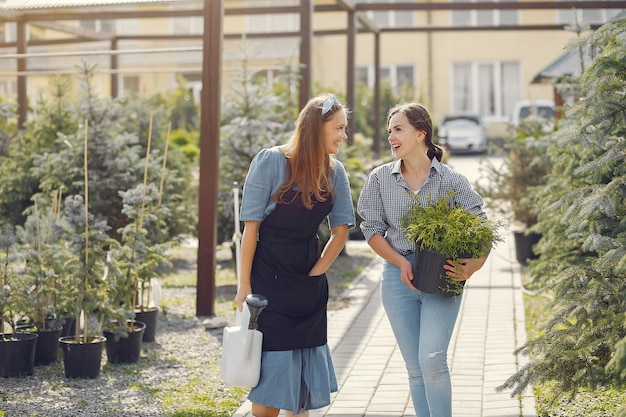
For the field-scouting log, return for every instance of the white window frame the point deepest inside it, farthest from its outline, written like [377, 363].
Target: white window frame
[499, 92]
[191, 25]
[566, 16]
[392, 70]
[98, 24]
[123, 91]
[496, 15]
[8, 88]
[389, 18]
[10, 32]
[276, 22]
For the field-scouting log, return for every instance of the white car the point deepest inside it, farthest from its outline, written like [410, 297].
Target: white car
[532, 109]
[463, 133]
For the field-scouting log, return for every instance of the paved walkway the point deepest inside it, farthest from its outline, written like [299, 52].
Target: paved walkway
[370, 371]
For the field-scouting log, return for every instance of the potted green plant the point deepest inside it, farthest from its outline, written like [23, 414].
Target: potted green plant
[139, 258]
[141, 254]
[42, 261]
[17, 350]
[85, 287]
[507, 183]
[443, 230]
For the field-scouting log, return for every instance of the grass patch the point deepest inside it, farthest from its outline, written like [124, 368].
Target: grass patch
[198, 397]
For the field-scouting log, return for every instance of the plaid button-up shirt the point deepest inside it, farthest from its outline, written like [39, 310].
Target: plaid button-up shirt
[386, 198]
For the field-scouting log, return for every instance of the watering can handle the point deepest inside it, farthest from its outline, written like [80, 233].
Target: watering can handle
[256, 303]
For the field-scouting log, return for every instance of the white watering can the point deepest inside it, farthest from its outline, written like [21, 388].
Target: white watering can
[241, 345]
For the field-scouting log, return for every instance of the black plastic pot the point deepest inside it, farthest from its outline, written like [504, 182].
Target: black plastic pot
[524, 246]
[126, 349]
[47, 351]
[17, 354]
[82, 360]
[47, 346]
[429, 276]
[69, 326]
[149, 318]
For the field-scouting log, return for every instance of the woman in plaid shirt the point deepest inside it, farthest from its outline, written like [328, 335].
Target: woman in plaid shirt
[422, 323]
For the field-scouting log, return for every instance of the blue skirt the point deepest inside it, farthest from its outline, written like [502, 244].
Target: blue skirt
[295, 380]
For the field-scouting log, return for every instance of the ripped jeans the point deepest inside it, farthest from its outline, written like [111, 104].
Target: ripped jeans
[422, 324]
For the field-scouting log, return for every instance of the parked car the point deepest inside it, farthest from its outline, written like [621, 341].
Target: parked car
[463, 133]
[532, 109]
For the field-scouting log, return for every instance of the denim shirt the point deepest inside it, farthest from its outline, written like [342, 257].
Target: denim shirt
[268, 171]
[386, 198]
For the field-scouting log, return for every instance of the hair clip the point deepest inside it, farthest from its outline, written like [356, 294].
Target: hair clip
[328, 104]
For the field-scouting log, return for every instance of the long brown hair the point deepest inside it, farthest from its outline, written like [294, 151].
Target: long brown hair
[419, 117]
[308, 164]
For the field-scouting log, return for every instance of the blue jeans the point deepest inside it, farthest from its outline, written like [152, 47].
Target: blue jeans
[422, 324]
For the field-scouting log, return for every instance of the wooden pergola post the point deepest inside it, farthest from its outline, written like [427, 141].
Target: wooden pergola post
[306, 36]
[210, 108]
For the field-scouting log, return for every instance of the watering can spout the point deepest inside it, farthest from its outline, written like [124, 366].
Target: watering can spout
[256, 303]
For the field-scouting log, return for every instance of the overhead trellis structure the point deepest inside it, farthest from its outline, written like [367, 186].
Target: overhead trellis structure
[33, 12]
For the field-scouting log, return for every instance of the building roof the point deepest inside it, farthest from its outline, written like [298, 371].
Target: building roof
[568, 64]
[52, 4]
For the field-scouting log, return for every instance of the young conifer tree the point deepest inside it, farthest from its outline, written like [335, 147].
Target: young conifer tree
[582, 220]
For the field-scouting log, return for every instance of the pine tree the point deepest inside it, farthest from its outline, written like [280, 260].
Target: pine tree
[254, 117]
[583, 222]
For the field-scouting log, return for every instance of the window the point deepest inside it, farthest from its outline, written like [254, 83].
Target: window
[8, 88]
[487, 88]
[128, 27]
[278, 22]
[397, 75]
[192, 25]
[483, 17]
[591, 16]
[361, 75]
[390, 18]
[130, 86]
[8, 32]
[98, 25]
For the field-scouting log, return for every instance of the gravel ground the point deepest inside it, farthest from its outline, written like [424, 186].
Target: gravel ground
[182, 363]
[121, 389]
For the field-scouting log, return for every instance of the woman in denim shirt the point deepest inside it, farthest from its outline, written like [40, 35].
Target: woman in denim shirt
[289, 191]
[422, 323]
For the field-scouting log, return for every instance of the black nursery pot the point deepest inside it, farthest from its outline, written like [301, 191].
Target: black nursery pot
[47, 346]
[149, 318]
[429, 276]
[47, 351]
[524, 246]
[17, 355]
[82, 360]
[126, 349]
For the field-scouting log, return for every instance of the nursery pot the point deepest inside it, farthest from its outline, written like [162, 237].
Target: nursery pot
[47, 346]
[524, 246]
[126, 349]
[149, 318]
[69, 326]
[82, 360]
[429, 276]
[17, 354]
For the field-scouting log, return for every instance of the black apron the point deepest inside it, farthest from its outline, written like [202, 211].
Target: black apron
[287, 249]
